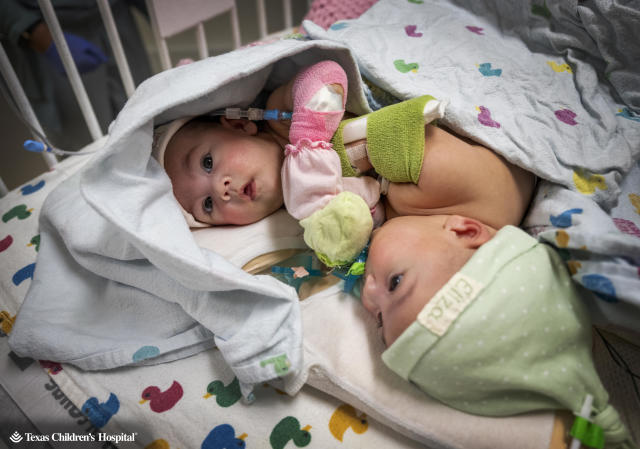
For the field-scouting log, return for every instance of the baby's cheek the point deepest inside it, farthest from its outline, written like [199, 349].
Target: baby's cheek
[243, 214]
[237, 216]
[273, 196]
[401, 316]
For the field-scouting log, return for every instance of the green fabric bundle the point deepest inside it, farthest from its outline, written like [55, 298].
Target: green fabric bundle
[395, 140]
[338, 232]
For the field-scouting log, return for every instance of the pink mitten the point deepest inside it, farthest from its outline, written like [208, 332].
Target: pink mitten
[317, 108]
[312, 177]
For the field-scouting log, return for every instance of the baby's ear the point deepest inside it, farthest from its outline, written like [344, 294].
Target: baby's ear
[240, 124]
[470, 232]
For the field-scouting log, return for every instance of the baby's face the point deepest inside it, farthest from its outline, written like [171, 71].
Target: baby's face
[410, 259]
[225, 174]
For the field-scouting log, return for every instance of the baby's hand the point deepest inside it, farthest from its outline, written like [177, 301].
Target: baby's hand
[318, 94]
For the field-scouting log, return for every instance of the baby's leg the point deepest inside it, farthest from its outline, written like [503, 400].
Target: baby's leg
[466, 179]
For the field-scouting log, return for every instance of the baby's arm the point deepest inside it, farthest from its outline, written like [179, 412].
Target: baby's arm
[316, 95]
[312, 174]
[337, 223]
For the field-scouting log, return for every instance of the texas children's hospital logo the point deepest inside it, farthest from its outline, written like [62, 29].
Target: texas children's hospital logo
[17, 437]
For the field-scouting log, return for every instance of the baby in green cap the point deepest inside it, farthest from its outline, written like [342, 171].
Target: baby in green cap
[410, 259]
[487, 321]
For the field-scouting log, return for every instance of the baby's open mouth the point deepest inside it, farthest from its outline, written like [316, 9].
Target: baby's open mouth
[250, 189]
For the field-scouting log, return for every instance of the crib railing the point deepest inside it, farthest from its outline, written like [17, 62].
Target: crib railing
[24, 107]
[163, 28]
[70, 68]
[169, 18]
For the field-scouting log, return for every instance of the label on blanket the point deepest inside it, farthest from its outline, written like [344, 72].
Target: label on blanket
[449, 303]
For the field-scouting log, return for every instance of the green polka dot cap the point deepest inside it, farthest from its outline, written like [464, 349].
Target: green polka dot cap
[507, 334]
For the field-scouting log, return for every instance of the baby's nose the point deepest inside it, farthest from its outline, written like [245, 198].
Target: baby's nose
[369, 293]
[224, 188]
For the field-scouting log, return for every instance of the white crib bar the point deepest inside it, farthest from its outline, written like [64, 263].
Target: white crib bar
[163, 49]
[288, 21]
[201, 40]
[235, 26]
[70, 67]
[22, 102]
[262, 18]
[116, 46]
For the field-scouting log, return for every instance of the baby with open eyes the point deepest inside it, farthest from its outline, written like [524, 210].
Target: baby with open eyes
[410, 258]
[225, 172]
[233, 171]
[485, 320]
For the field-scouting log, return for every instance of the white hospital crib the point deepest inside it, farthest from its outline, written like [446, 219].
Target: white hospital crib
[45, 399]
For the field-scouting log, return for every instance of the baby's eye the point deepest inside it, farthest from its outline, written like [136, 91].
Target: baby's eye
[207, 205]
[207, 163]
[394, 282]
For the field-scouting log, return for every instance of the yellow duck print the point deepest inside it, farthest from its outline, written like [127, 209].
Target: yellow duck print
[559, 68]
[6, 322]
[635, 201]
[562, 237]
[574, 266]
[587, 183]
[158, 444]
[344, 417]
